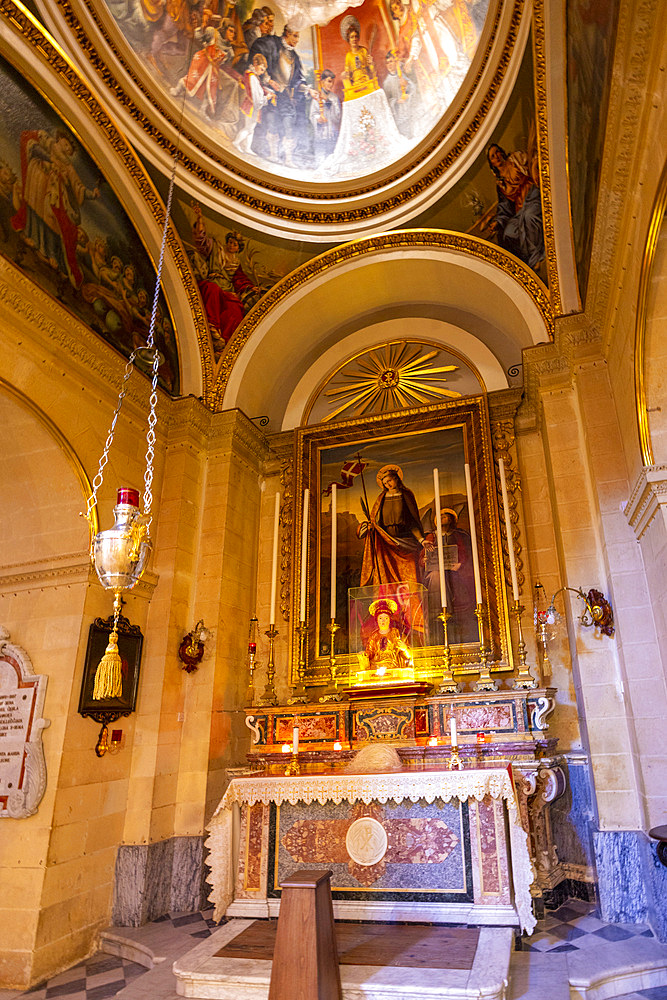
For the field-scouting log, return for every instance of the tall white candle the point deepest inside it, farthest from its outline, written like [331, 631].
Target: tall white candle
[473, 537]
[438, 529]
[334, 531]
[452, 731]
[304, 555]
[508, 530]
[295, 739]
[274, 562]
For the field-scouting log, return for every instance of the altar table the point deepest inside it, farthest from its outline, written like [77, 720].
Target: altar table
[381, 833]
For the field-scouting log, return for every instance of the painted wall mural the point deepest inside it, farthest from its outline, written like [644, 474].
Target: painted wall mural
[233, 266]
[499, 199]
[591, 30]
[62, 225]
[322, 92]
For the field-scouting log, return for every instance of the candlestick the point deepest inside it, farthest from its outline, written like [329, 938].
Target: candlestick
[331, 692]
[508, 532]
[252, 652]
[447, 685]
[438, 530]
[269, 697]
[473, 537]
[300, 696]
[293, 767]
[524, 678]
[485, 682]
[304, 554]
[334, 532]
[274, 561]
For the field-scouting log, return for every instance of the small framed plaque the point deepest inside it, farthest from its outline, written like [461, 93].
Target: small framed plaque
[130, 642]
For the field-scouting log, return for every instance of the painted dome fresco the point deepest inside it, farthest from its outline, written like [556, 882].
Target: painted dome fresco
[316, 91]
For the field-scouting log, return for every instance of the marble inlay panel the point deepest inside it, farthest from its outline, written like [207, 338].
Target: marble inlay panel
[313, 728]
[488, 848]
[253, 859]
[427, 853]
[621, 876]
[481, 718]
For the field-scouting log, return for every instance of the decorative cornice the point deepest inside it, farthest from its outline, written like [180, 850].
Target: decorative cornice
[541, 84]
[648, 497]
[62, 571]
[407, 239]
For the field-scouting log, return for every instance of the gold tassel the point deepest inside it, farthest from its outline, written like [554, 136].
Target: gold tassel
[108, 676]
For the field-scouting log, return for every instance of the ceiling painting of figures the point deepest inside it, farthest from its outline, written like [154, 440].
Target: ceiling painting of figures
[61, 223]
[321, 92]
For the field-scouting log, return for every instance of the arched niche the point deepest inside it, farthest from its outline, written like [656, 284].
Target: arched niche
[322, 312]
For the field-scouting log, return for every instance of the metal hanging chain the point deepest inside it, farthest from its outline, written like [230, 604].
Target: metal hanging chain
[155, 361]
[104, 458]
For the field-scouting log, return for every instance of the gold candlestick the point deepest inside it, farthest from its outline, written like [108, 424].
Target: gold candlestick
[485, 682]
[455, 763]
[293, 767]
[252, 653]
[524, 678]
[269, 697]
[300, 696]
[331, 692]
[447, 685]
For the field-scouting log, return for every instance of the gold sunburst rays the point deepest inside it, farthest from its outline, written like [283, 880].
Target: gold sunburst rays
[397, 376]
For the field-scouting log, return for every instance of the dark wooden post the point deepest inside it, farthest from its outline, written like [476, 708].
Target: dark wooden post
[305, 958]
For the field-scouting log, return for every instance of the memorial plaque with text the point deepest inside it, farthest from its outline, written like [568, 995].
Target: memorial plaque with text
[22, 765]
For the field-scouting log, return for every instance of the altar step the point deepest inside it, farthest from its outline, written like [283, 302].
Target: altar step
[377, 962]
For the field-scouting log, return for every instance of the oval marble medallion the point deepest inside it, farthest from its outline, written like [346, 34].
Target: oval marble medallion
[366, 841]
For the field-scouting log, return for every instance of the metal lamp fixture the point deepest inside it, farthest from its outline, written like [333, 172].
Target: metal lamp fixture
[191, 649]
[120, 554]
[597, 612]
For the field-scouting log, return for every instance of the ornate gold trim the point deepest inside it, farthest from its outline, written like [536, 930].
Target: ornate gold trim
[378, 347]
[267, 207]
[542, 125]
[51, 54]
[655, 225]
[397, 240]
[62, 442]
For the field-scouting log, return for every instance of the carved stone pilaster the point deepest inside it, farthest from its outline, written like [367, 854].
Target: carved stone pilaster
[283, 448]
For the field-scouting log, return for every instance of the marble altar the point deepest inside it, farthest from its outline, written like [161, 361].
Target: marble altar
[455, 849]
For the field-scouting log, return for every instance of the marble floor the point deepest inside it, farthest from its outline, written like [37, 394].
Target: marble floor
[571, 945]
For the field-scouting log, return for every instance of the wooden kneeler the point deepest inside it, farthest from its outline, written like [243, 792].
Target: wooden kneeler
[305, 958]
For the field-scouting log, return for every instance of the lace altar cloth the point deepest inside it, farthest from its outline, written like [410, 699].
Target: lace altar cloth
[338, 787]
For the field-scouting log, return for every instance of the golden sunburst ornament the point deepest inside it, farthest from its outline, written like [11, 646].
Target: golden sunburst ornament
[390, 378]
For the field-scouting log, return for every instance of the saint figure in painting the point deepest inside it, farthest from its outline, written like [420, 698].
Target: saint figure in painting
[51, 196]
[359, 75]
[518, 223]
[393, 535]
[459, 581]
[385, 649]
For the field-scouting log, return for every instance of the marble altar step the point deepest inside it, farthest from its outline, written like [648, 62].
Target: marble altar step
[447, 963]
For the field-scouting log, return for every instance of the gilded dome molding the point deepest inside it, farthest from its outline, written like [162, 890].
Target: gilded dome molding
[402, 240]
[277, 205]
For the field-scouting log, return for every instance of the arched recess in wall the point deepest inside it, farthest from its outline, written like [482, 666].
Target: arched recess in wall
[650, 341]
[48, 479]
[417, 277]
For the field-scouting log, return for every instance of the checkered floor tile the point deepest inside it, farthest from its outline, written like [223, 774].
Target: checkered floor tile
[103, 976]
[577, 925]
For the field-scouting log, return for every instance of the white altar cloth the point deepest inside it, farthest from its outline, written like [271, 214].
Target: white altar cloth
[427, 784]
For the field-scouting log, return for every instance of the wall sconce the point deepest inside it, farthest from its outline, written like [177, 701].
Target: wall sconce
[191, 649]
[597, 612]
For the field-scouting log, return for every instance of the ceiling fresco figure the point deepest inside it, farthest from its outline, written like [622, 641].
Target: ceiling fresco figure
[200, 52]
